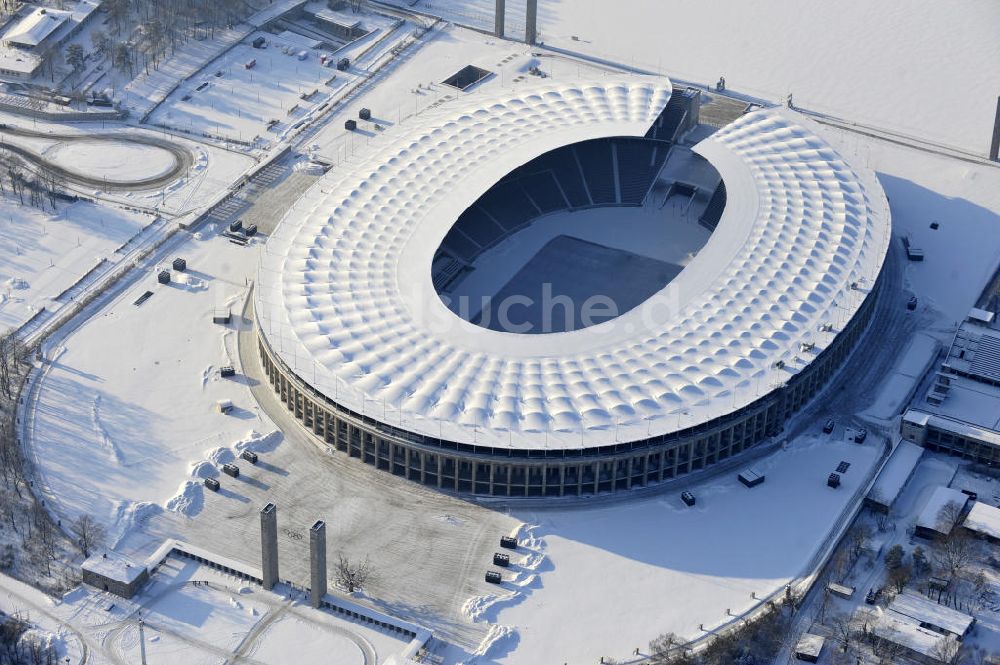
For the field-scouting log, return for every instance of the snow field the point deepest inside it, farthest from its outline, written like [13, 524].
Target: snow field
[623, 573]
[44, 253]
[772, 48]
[240, 103]
[128, 403]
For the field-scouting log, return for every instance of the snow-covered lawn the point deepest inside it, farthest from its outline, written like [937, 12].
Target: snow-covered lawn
[892, 64]
[44, 253]
[127, 403]
[603, 580]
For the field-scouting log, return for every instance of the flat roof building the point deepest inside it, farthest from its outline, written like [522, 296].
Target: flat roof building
[35, 28]
[932, 616]
[894, 475]
[984, 520]
[941, 512]
[114, 573]
[960, 414]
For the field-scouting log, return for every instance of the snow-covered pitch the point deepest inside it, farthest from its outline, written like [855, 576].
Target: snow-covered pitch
[346, 300]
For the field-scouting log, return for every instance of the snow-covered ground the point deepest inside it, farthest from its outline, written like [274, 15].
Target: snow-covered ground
[617, 573]
[133, 417]
[44, 253]
[194, 614]
[897, 388]
[964, 198]
[893, 64]
[213, 168]
[150, 87]
[411, 85]
[125, 420]
[240, 103]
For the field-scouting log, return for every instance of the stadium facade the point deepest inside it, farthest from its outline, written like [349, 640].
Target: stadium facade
[356, 342]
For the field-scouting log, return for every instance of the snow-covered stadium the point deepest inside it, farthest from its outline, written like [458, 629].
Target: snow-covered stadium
[357, 337]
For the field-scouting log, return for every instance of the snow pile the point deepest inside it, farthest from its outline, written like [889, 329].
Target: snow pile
[258, 443]
[189, 499]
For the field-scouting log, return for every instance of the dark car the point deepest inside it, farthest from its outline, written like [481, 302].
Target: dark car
[860, 436]
[828, 427]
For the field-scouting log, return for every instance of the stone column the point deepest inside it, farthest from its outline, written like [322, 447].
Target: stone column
[317, 562]
[269, 545]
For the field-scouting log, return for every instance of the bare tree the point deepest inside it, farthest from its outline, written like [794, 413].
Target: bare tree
[352, 576]
[843, 628]
[898, 577]
[946, 650]
[955, 552]
[857, 538]
[89, 534]
[668, 649]
[881, 516]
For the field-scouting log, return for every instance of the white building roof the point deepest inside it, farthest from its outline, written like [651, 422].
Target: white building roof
[35, 27]
[984, 519]
[923, 610]
[346, 298]
[810, 645]
[114, 566]
[297, 40]
[896, 472]
[337, 19]
[910, 635]
[930, 517]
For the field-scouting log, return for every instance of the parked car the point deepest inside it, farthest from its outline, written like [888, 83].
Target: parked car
[828, 427]
[860, 435]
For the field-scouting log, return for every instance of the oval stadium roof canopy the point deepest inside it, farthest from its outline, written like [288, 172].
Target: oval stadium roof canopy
[345, 298]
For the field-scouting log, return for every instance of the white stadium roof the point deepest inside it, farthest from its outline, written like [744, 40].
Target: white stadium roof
[345, 296]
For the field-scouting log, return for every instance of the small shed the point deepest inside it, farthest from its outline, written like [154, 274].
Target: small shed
[114, 573]
[941, 512]
[224, 405]
[984, 520]
[840, 590]
[809, 647]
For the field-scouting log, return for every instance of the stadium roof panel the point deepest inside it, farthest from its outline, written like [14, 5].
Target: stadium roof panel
[345, 296]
